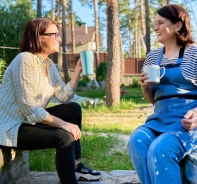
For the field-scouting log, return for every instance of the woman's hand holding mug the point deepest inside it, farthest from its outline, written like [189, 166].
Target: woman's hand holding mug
[143, 78]
[151, 75]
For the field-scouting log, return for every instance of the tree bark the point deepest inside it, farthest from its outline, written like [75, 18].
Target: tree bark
[96, 33]
[113, 63]
[147, 12]
[167, 1]
[39, 8]
[72, 27]
[65, 62]
[142, 17]
[58, 11]
[136, 36]
[52, 10]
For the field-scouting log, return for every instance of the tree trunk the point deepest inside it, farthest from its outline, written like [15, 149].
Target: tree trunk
[52, 10]
[65, 62]
[57, 18]
[72, 27]
[147, 26]
[136, 36]
[96, 33]
[39, 8]
[131, 44]
[113, 63]
[142, 18]
[58, 11]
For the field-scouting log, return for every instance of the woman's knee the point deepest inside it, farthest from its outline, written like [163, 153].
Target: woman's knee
[63, 138]
[75, 106]
[134, 140]
[166, 144]
[139, 139]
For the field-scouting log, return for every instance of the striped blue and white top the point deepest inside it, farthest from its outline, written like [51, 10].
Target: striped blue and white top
[188, 65]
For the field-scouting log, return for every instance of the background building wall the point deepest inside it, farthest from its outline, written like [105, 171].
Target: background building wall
[131, 66]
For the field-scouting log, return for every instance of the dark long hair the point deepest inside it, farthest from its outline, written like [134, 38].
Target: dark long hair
[176, 13]
[30, 41]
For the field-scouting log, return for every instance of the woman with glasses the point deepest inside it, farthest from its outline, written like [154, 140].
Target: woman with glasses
[28, 84]
[157, 147]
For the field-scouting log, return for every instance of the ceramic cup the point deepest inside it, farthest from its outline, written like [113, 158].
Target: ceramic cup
[87, 60]
[153, 73]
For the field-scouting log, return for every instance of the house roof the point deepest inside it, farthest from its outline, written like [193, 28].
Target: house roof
[82, 34]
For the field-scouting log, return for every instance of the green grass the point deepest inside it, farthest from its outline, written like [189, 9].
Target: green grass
[133, 99]
[98, 151]
[42, 160]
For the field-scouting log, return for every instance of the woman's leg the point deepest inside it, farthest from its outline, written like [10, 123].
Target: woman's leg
[137, 147]
[163, 158]
[40, 136]
[71, 113]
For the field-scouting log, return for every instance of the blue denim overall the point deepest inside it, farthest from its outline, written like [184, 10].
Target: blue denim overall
[174, 96]
[160, 144]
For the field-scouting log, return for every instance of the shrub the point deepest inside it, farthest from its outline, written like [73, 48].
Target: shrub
[84, 81]
[135, 82]
[86, 78]
[101, 71]
[3, 66]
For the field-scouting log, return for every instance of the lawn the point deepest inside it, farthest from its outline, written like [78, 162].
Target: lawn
[101, 146]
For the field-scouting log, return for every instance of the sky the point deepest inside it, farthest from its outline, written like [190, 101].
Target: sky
[87, 15]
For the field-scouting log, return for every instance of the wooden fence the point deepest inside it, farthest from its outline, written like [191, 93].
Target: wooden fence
[130, 65]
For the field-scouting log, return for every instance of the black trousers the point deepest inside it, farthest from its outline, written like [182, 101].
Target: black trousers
[40, 136]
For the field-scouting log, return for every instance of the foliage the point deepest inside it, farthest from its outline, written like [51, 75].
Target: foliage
[86, 78]
[101, 71]
[83, 81]
[13, 18]
[135, 82]
[3, 66]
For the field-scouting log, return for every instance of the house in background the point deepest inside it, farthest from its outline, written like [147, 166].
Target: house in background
[84, 39]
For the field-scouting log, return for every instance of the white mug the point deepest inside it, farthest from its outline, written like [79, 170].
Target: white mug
[153, 73]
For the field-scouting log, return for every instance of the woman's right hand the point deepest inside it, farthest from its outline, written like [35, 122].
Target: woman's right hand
[143, 77]
[147, 91]
[69, 127]
[73, 129]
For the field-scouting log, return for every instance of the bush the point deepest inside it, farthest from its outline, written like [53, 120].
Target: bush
[84, 81]
[135, 82]
[3, 66]
[101, 71]
[86, 78]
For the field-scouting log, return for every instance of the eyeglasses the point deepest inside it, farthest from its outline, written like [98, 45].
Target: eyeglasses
[53, 35]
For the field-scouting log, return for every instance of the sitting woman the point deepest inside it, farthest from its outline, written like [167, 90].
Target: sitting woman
[28, 84]
[157, 147]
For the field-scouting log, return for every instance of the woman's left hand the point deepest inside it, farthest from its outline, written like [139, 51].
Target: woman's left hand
[190, 120]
